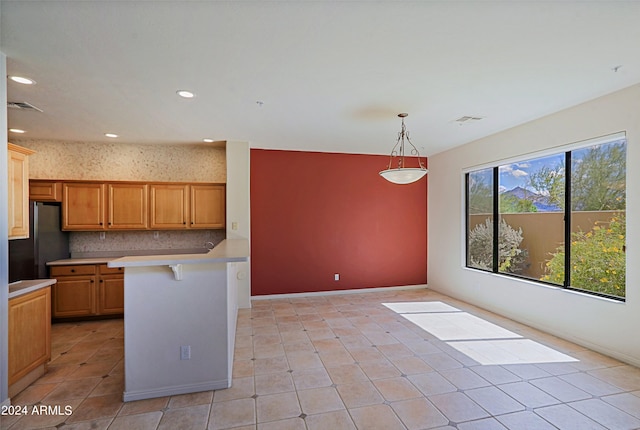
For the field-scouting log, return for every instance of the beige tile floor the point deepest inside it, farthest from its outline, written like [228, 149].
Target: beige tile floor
[350, 362]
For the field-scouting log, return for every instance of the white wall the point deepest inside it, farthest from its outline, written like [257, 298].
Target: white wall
[239, 211]
[604, 325]
[4, 241]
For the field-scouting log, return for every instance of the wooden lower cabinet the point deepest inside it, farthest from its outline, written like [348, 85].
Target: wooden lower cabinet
[87, 290]
[110, 291]
[29, 336]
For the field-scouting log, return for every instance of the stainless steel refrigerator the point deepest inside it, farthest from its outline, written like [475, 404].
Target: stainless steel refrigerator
[46, 242]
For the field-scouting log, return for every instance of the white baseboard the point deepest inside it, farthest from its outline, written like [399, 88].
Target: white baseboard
[337, 292]
[129, 396]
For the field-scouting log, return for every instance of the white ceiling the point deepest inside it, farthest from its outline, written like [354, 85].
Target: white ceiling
[332, 75]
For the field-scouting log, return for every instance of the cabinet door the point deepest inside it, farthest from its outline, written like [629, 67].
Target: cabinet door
[29, 332]
[111, 294]
[127, 207]
[207, 206]
[74, 296]
[45, 191]
[169, 206]
[83, 206]
[18, 169]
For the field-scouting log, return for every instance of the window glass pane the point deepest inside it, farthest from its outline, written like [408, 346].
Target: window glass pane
[480, 222]
[598, 215]
[531, 205]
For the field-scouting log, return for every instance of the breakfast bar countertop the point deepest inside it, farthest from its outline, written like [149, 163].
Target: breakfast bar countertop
[229, 250]
[20, 288]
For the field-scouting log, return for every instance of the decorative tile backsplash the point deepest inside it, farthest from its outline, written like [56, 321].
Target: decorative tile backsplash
[125, 162]
[116, 244]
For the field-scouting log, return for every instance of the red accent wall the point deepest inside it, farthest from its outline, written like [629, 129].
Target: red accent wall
[315, 214]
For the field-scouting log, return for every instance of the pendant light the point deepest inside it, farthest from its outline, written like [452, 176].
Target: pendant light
[403, 174]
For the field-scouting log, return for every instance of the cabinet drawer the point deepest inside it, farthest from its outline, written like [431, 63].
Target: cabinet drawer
[105, 270]
[80, 269]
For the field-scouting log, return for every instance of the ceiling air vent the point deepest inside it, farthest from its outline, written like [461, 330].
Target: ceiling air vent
[468, 119]
[22, 106]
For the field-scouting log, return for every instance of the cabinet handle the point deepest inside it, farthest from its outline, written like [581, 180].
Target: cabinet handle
[100, 280]
[91, 281]
[100, 223]
[73, 270]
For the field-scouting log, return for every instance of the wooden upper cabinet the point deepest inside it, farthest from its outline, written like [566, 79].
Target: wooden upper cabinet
[18, 183]
[45, 191]
[169, 206]
[207, 206]
[83, 206]
[99, 206]
[127, 206]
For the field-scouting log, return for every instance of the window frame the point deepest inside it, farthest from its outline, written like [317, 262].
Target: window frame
[566, 150]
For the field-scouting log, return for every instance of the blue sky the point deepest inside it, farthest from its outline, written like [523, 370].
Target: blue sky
[518, 174]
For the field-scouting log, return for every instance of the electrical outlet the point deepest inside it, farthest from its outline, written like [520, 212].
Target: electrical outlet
[185, 352]
[156, 235]
[102, 235]
[336, 277]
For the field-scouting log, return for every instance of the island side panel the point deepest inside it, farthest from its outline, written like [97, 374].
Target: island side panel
[162, 315]
[232, 310]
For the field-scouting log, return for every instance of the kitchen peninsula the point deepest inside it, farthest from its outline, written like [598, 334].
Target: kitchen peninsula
[180, 320]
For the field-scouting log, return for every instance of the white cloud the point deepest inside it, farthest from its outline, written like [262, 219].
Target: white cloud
[513, 170]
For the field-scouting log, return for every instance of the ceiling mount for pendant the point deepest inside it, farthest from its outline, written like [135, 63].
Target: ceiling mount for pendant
[403, 174]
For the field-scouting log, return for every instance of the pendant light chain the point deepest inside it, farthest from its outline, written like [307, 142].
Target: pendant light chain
[398, 150]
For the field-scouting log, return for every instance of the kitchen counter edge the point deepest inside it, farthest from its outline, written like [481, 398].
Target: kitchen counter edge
[75, 261]
[20, 288]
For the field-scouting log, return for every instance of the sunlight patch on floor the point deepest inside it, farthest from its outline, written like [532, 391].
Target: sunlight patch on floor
[480, 340]
[459, 326]
[512, 351]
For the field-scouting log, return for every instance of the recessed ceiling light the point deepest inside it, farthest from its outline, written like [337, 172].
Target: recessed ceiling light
[111, 135]
[208, 140]
[22, 80]
[186, 94]
[16, 130]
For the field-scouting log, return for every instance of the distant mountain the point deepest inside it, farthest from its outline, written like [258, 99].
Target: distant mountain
[541, 202]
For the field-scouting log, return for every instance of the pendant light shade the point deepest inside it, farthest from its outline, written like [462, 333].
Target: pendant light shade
[401, 174]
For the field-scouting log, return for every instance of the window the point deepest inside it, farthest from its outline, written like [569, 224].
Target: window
[480, 219]
[560, 218]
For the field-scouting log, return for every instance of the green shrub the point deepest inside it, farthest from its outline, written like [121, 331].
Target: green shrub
[597, 259]
[511, 259]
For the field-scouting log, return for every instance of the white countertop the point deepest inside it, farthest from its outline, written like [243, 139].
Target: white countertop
[228, 251]
[20, 288]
